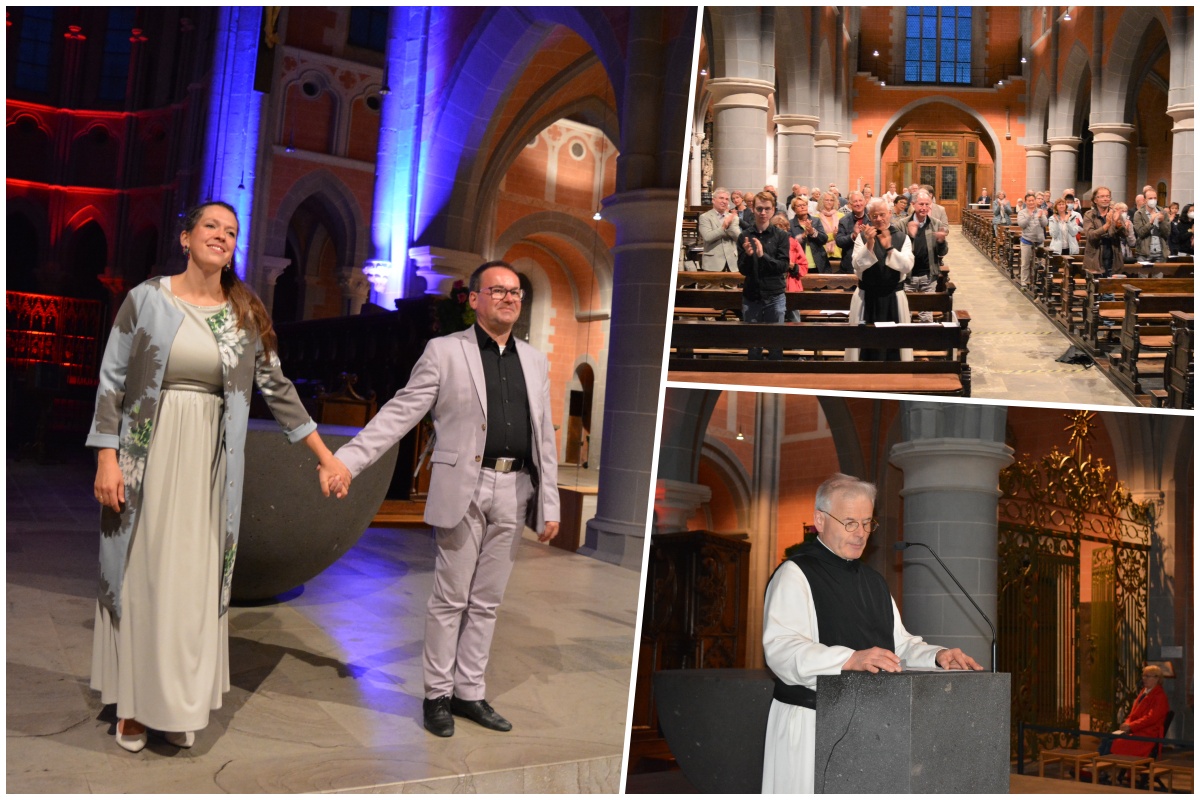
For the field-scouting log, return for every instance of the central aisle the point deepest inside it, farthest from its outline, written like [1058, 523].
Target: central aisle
[1013, 345]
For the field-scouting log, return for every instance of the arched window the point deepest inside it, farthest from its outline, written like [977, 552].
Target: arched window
[33, 53]
[114, 69]
[937, 45]
[368, 28]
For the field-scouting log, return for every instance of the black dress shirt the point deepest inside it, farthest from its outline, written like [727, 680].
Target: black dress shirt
[508, 428]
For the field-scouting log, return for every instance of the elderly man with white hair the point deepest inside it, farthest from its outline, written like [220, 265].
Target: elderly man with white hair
[882, 259]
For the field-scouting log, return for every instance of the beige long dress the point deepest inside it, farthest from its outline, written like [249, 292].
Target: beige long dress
[166, 664]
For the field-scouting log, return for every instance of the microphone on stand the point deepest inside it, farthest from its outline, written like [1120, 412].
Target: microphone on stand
[906, 545]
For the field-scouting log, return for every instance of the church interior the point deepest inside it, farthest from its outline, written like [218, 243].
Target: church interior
[969, 101]
[1072, 530]
[375, 156]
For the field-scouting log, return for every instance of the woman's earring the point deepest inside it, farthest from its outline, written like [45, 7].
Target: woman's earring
[186, 251]
[227, 267]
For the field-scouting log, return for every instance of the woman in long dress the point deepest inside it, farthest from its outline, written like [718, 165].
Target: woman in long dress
[170, 430]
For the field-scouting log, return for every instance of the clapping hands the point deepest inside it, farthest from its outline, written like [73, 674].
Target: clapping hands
[334, 477]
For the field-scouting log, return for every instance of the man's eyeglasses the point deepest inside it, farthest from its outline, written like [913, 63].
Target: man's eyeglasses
[498, 293]
[851, 525]
[763, 209]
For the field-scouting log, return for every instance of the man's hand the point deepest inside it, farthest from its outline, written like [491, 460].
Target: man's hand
[885, 237]
[940, 235]
[874, 660]
[334, 477]
[868, 236]
[912, 228]
[954, 658]
[728, 220]
[549, 533]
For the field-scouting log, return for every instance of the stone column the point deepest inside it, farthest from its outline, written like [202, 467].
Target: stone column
[269, 270]
[843, 166]
[695, 169]
[825, 146]
[1064, 157]
[643, 268]
[232, 127]
[1037, 169]
[740, 130]
[1183, 164]
[797, 158]
[764, 510]
[355, 289]
[1110, 159]
[440, 267]
[392, 208]
[952, 456]
[675, 502]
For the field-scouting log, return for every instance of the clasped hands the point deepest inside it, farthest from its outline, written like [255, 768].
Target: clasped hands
[334, 477]
[877, 659]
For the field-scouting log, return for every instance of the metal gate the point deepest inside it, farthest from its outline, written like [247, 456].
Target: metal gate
[1049, 508]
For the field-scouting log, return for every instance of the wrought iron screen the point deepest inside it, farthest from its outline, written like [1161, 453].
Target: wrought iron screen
[1049, 507]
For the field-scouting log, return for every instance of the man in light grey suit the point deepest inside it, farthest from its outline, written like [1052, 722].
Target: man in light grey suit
[719, 230]
[494, 470]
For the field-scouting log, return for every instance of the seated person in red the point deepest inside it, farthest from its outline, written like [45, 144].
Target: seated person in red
[1145, 718]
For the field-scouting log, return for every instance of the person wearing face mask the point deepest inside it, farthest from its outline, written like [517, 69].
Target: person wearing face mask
[1102, 233]
[1181, 231]
[1151, 230]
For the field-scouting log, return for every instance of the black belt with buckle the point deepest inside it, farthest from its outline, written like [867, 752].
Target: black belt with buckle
[505, 464]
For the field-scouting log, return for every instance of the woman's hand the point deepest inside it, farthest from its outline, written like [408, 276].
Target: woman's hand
[110, 483]
[334, 477]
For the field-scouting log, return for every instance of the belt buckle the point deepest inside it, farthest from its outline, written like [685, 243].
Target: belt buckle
[505, 464]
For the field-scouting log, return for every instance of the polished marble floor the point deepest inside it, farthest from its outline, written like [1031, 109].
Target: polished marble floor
[1013, 345]
[326, 686]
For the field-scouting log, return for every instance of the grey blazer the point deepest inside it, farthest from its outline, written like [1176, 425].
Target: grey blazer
[448, 382]
[720, 244]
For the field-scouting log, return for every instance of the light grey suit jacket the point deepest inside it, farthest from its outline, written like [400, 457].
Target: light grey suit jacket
[448, 380]
[720, 244]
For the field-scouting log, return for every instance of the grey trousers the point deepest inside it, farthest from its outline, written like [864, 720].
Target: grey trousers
[474, 561]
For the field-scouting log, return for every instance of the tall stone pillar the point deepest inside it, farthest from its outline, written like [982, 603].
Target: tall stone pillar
[797, 158]
[764, 509]
[696, 169]
[952, 456]
[740, 131]
[1183, 159]
[392, 209]
[1037, 169]
[843, 166]
[232, 126]
[643, 267]
[1110, 159]
[825, 146]
[1064, 162]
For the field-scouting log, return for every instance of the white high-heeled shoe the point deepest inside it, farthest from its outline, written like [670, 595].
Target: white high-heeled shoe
[133, 742]
[183, 739]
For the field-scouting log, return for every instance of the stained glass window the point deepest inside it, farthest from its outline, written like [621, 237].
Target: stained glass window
[33, 52]
[937, 46]
[114, 68]
[368, 28]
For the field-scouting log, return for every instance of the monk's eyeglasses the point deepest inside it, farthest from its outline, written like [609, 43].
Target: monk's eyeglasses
[851, 525]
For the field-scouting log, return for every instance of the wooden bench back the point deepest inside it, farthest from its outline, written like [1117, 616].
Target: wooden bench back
[731, 300]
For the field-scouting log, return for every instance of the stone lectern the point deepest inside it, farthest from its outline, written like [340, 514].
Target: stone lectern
[914, 731]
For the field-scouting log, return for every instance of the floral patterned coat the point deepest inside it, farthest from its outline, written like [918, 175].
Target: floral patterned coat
[131, 374]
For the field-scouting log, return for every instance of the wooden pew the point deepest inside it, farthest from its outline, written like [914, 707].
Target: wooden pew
[718, 302]
[1103, 317]
[1073, 295]
[812, 282]
[716, 352]
[1146, 337]
[1178, 376]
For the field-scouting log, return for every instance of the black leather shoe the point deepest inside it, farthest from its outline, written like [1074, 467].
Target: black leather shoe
[480, 712]
[438, 719]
